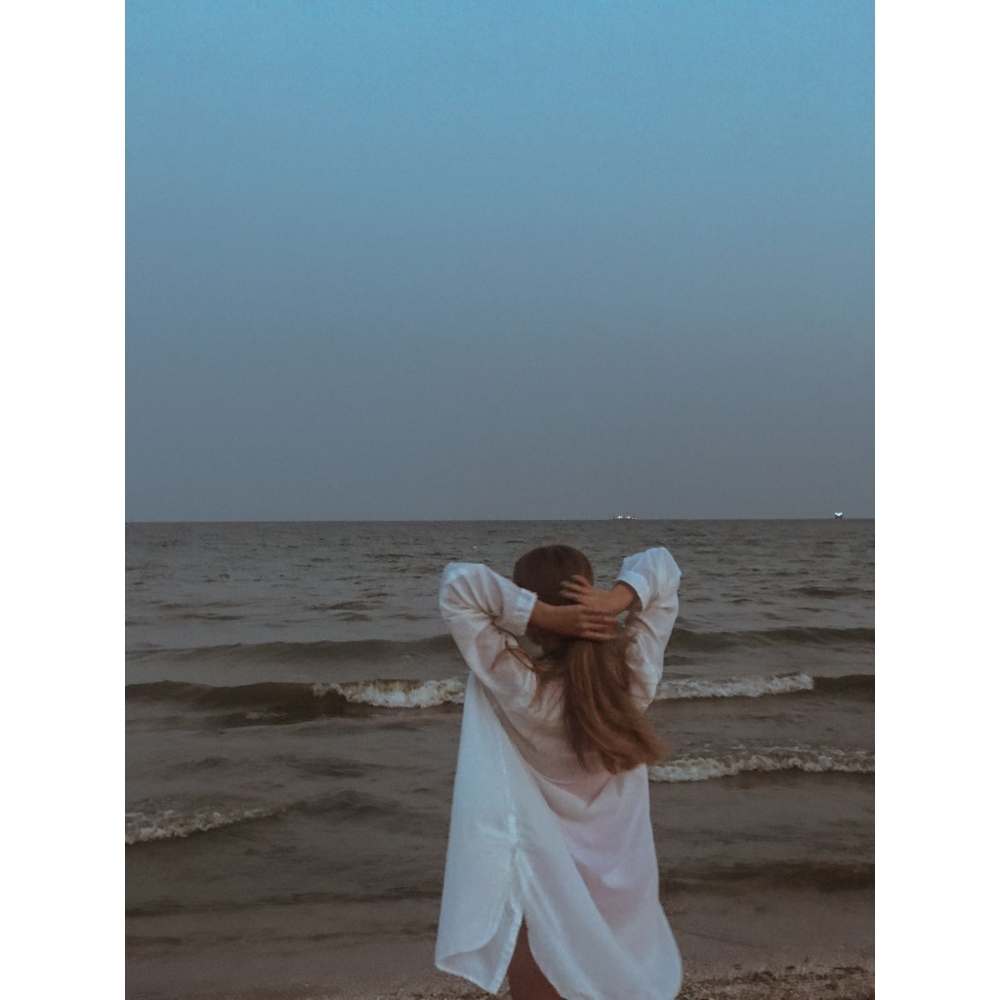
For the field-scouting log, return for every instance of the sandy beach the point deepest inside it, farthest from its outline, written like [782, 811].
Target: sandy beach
[835, 983]
[746, 945]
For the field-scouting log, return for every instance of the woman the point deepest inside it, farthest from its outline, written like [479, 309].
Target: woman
[551, 872]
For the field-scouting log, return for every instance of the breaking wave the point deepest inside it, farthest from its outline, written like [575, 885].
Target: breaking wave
[398, 693]
[734, 687]
[813, 760]
[154, 822]
[320, 651]
[142, 826]
[373, 651]
[688, 640]
[287, 699]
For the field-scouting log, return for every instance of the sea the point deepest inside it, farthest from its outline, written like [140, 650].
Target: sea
[293, 705]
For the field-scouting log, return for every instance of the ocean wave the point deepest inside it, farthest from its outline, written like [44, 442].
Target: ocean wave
[817, 874]
[352, 605]
[143, 826]
[266, 701]
[374, 651]
[811, 591]
[813, 760]
[323, 650]
[689, 640]
[205, 616]
[398, 693]
[733, 687]
[287, 700]
[158, 822]
[860, 684]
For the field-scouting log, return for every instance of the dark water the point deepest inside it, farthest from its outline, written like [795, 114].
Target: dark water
[293, 710]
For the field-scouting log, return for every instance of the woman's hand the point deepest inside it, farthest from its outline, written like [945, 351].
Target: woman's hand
[614, 601]
[575, 620]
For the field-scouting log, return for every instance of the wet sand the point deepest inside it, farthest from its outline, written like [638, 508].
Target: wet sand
[781, 944]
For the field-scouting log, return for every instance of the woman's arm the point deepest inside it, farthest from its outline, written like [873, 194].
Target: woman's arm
[484, 611]
[646, 587]
[655, 577]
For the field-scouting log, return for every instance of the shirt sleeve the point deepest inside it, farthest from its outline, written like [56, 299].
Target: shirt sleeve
[484, 612]
[655, 577]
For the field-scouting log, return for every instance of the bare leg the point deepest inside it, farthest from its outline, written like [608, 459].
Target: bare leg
[527, 981]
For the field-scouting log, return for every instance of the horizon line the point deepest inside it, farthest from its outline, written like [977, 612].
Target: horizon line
[477, 520]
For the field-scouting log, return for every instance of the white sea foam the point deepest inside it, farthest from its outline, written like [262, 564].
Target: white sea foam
[385, 693]
[815, 760]
[734, 687]
[398, 693]
[166, 824]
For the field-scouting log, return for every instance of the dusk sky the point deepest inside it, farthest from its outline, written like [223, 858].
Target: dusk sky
[489, 260]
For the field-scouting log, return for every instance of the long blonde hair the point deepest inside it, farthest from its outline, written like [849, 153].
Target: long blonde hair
[601, 717]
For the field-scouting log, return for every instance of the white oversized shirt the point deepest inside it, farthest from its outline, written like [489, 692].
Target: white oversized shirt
[531, 833]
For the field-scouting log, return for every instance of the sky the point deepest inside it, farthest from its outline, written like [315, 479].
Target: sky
[453, 260]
